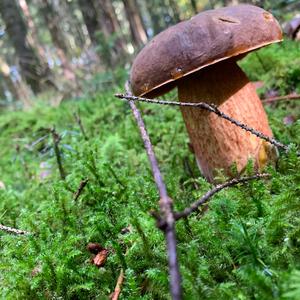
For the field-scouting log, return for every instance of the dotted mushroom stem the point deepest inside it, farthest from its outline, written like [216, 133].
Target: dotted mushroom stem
[219, 144]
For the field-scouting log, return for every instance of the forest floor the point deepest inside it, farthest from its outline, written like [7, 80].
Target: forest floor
[245, 246]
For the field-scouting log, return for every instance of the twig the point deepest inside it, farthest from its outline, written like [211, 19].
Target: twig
[281, 98]
[14, 230]
[56, 139]
[209, 107]
[117, 291]
[79, 122]
[82, 185]
[165, 203]
[186, 212]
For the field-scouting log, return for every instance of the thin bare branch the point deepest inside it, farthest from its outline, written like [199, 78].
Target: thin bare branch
[209, 107]
[205, 198]
[82, 185]
[56, 139]
[79, 122]
[14, 230]
[165, 203]
[281, 98]
[115, 295]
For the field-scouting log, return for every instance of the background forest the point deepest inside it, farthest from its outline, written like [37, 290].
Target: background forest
[57, 46]
[73, 170]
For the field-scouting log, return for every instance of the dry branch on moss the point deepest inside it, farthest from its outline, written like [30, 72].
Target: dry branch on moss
[209, 107]
[165, 203]
[79, 122]
[166, 217]
[56, 139]
[205, 198]
[14, 230]
[281, 98]
[115, 295]
[80, 189]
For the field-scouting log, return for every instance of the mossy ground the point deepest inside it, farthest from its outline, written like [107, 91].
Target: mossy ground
[245, 246]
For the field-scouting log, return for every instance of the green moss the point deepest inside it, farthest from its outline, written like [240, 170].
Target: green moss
[246, 246]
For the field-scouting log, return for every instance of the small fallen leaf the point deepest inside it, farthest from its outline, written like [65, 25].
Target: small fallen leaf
[100, 259]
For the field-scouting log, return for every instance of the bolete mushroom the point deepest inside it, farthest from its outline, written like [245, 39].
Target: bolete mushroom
[199, 57]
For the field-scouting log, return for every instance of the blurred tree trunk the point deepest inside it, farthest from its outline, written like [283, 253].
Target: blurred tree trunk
[90, 18]
[31, 26]
[76, 24]
[194, 6]
[175, 10]
[138, 33]
[157, 19]
[113, 43]
[104, 29]
[161, 14]
[34, 68]
[109, 22]
[17, 88]
[53, 22]
[59, 39]
[230, 2]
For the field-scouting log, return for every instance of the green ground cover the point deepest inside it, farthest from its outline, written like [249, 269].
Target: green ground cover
[246, 245]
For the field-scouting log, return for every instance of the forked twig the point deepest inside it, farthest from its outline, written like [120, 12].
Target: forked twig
[209, 107]
[165, 203]
[204, 199]
[167, 217]
[14, 230]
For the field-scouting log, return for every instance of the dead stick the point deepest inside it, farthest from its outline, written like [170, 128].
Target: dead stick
[165, 203]
[281, 98]
[56, 140]
[115, 295]
[82, 185]
[212, 108]
[14, 230]
[204, 199]
[79, 122]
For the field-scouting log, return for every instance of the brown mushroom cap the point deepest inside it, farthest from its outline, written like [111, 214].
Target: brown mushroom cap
[207, 38]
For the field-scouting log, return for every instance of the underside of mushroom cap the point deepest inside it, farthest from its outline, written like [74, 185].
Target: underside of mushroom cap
[207, 38]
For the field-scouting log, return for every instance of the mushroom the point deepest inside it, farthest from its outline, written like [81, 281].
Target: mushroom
[199, 57]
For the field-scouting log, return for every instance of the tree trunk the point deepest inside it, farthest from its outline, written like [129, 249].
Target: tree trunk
[109, 21]
[76, 24]
[104, 29]
[175, 10]
[112, 35]
[53, 22]
[31, 26]
[33, 67]
[138, 34]
[17, 88]
[90, 18]
[159, 15]
[194, 6]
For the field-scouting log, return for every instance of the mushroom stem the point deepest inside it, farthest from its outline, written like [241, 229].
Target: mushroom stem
[217, 143]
